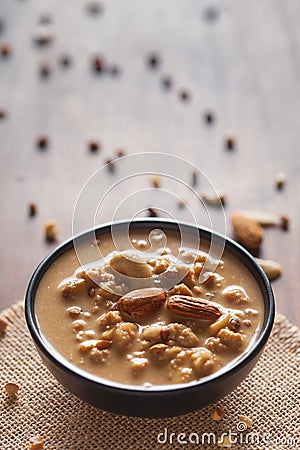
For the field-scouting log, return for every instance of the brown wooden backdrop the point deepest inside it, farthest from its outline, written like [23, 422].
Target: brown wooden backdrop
[240, 60]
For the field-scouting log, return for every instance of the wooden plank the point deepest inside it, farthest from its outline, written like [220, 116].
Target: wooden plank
[244, 66]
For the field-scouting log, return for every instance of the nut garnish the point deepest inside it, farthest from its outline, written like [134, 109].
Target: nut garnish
[234, 324]
[74, 310]
[99, 344]
[271, 268]
[141, 302]
[193, 307]
[3, 325]
[158, 349]
[11, 388]
[248, 231]
[131, 265]
[218, 413]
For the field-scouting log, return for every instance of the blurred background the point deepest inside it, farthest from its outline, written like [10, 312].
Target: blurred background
[82, 83]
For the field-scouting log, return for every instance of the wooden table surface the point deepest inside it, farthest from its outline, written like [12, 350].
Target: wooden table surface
[240, 60]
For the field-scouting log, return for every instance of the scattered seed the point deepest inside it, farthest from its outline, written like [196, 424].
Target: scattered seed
[184, 95]
[218, 413]
[45, 19]
[121, 153]
[5, 50]
[3, 325]
[211, 14]
[32, 209]
[247, 322]
[114, 70]
[280, 180]
[230, 142]
[152, 212]
[97, 64]
[111, 165]
[209, 117]
[65, 61]
[167, 82]
[213, 200]
[43, 35]
[181, 203]
[246, 420]
[11, 388]
[3, 114]
[94, 146]
[44, 70]
[194, 178]
[153, 60]
[42, 142]
[36, 443]
[155, 180]
[94, 7]
[51, 231]
[284, 222]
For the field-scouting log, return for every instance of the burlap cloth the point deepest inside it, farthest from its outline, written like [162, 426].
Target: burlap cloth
[270, 396]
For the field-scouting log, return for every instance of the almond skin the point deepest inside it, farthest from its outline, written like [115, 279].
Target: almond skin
[247, 231]
[141, 302]
[193, 307]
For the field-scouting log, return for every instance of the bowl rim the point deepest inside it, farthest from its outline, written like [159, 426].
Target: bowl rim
[228, 370]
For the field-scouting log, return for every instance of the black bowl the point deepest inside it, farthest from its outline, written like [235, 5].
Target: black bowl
[161, 401]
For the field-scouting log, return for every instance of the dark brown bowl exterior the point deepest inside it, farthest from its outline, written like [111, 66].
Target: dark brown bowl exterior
[164, 401]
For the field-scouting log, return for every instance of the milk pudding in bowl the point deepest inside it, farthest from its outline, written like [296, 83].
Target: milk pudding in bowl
[138, 325]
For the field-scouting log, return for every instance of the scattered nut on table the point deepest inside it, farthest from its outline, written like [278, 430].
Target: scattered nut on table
[224, 442]
[36, 443]
[218, 413]
[246, 420]
[271, 268]
[11, 388]
[3, 325]
[51, 231]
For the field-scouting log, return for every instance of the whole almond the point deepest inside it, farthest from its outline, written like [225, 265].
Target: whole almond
[248, 231]
[141, 302]
[272, 269]
[193, 307]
